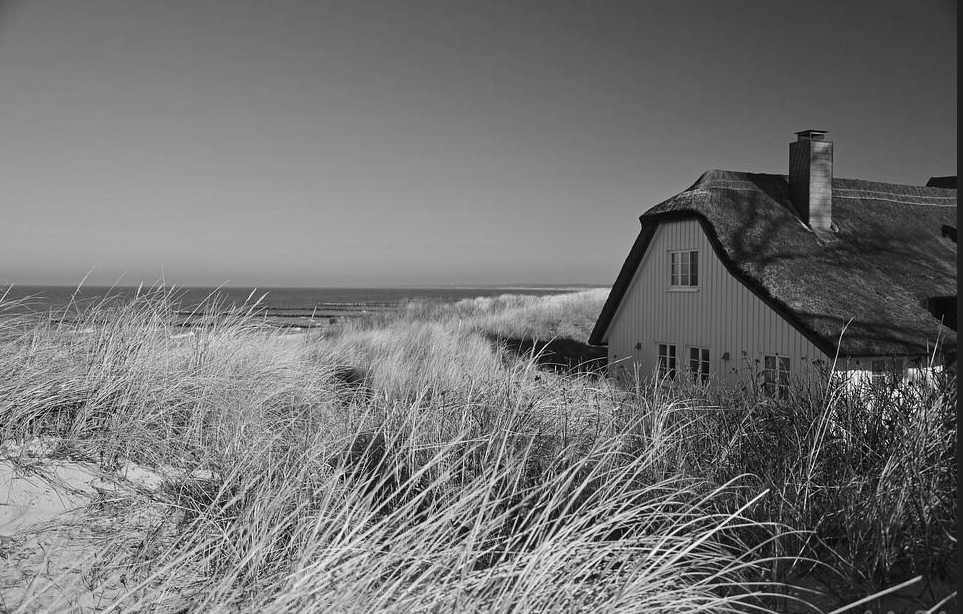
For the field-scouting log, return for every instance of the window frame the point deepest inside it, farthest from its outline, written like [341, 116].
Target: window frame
[686, 258]
[777, 380]
[703, 359]
[663, 369]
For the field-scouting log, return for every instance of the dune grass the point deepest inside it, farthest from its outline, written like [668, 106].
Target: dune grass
[417, 463]
[552, 330]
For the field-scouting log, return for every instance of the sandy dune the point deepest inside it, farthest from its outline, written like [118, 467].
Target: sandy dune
[56, 514]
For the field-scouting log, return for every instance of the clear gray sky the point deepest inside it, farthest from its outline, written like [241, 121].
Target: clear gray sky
[406, 143]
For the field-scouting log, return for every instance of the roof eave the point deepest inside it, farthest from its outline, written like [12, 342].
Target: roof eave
[599, 336]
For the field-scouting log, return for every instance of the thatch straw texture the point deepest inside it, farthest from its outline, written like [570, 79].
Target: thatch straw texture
[872, 275]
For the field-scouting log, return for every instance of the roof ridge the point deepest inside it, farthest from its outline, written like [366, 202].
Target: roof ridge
[718, 174]
[835, 189]
[898, 202]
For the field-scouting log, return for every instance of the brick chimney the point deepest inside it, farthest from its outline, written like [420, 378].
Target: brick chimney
[811, 178]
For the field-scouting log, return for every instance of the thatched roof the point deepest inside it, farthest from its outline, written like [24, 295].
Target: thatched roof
[886, 258]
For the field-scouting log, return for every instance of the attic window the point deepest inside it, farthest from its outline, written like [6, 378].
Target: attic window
[949, 232]
[684, 269]
[943, 308]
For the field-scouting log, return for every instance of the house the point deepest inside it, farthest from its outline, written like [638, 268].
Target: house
[773, 272]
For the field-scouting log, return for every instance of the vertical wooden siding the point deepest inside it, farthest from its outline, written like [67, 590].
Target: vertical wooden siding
[722, 315]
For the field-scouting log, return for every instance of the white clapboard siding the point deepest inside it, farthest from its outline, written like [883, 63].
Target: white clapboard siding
[722, 315]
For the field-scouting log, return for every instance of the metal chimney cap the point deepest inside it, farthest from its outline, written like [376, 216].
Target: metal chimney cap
[811, 135]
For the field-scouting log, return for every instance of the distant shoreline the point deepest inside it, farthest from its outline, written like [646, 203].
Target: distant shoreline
[279, 307]
[19, 289]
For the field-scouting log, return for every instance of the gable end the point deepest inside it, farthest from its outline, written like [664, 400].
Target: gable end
[632, 262]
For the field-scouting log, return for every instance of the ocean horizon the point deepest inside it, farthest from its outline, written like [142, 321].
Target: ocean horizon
[285, 304]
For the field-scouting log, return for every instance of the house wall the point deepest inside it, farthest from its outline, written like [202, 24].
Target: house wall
[857, 376]
[722, 315]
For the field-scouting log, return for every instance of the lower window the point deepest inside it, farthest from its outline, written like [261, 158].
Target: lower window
[775, 375]
[666, 361]
[699, 364]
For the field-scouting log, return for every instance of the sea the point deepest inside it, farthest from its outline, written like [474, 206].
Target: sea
[286, 307]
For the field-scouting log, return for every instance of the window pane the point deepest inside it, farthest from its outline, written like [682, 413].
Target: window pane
[770, 363]
[694, 269]
[783, 364]
[705, 355]
[666, 360]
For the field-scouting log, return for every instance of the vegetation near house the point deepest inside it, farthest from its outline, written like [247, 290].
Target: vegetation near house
[423, 462]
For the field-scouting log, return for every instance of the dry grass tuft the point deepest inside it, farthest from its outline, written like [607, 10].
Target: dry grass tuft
[420, 464]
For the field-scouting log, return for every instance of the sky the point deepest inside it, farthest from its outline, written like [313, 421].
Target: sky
[429, 143]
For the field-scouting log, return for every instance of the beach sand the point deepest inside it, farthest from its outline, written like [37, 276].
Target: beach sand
[56, 513]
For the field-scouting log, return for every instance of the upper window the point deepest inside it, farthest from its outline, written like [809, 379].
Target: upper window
[666, 361]
[699, 364]
[684, 269]
[775, 375]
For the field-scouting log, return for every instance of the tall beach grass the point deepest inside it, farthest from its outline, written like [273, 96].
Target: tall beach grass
[420, 462]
